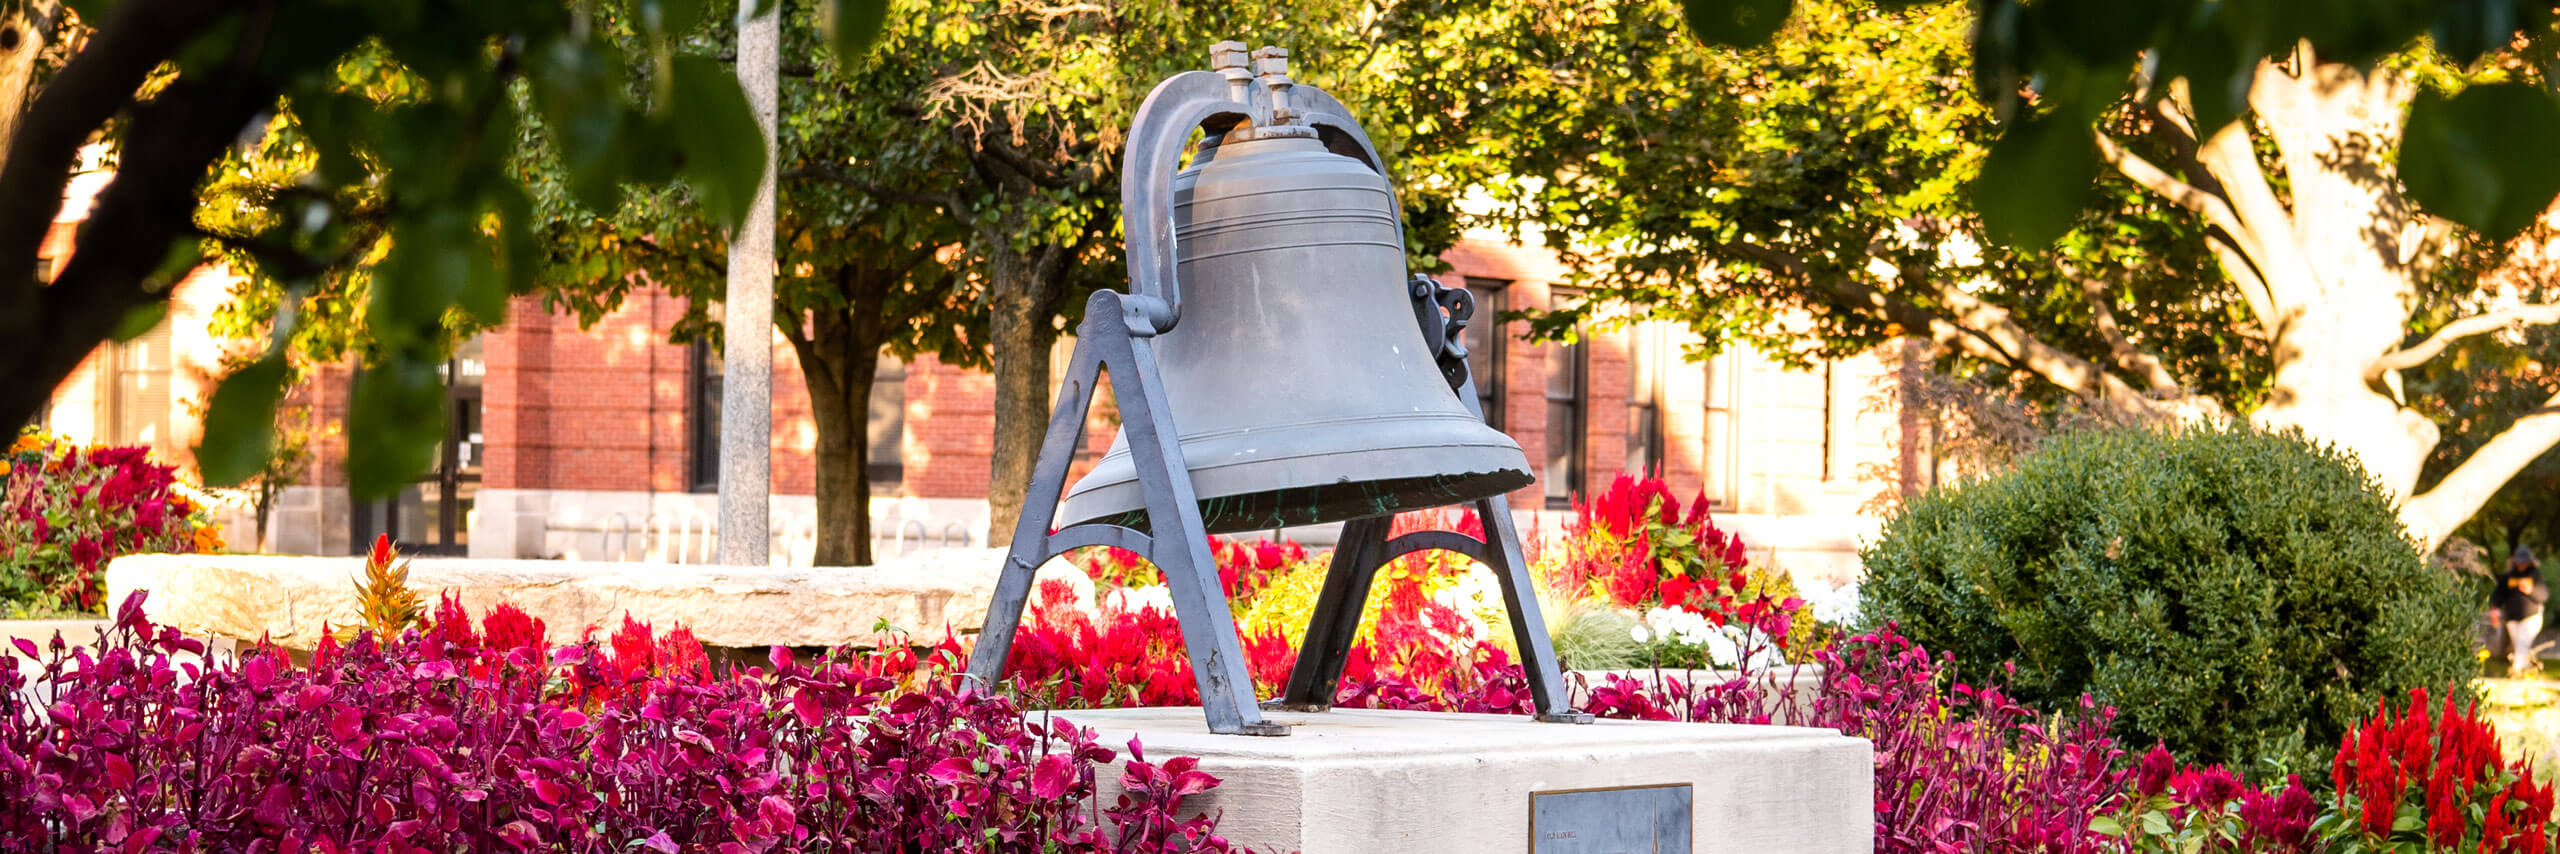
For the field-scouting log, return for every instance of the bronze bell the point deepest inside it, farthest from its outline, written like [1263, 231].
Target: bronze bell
[1301, 387]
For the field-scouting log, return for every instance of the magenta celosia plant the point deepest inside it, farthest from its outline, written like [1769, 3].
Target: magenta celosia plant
[445, 740]
[66, 510]
[2171, 809]
[1958, 768]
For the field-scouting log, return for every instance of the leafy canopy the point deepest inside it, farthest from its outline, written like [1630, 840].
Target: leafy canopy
[383, 211]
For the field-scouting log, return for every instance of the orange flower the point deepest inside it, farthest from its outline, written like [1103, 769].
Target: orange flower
[208, 539]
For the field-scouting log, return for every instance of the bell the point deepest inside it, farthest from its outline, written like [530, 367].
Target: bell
[1298, 379]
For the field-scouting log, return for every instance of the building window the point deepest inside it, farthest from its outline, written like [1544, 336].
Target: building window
[139, 397]
[888, 425]
[1568, 366]
[703, 405]
[1647, 353]
[1718, 458]
[1486, 344]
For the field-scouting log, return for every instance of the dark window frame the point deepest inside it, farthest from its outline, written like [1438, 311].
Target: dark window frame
[1647, 343]
[702, 389]
[1487, 334]
[1575, 405]
[885, 472]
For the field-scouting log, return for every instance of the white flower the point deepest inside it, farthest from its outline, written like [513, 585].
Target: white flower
[1833, 605]
[1640, 634]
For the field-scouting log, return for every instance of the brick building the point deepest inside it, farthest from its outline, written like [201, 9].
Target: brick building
[601, 443]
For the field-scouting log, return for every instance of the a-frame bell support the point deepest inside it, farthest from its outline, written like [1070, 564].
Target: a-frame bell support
[1115, 341]
[1179, 547]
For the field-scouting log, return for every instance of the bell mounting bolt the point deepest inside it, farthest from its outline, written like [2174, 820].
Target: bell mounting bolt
[1288, 239]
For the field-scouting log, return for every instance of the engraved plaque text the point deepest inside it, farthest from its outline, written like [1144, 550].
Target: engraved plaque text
[1619, 820]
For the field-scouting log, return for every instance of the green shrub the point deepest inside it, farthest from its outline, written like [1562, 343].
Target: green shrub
[2240, 596]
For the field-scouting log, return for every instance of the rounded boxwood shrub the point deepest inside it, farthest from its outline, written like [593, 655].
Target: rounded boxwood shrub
[2240, 596]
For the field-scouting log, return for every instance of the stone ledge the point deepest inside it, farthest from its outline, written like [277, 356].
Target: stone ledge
[1361, 780]
[287, 599]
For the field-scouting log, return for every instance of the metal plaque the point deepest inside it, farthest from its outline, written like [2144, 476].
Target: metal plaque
[1617, 820]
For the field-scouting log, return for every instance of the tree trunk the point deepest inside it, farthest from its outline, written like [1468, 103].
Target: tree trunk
[838, 362]
[1020, 334]
[844, 460]
[2332, 268]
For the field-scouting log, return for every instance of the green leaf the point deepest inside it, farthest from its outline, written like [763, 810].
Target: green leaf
[239, 422]
[519, 251]
[722, 146]
[141, 319]
[2155, 823]
[2218, 71]
[1735, 23]
[2105, 35]
[429, 264]
[2035, 180]
[2106, 825]
[2482, 158]
[852, 26]
[577, 86]
[397, 416]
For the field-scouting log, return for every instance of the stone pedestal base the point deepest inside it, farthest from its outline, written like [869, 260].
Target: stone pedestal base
[1378, 781]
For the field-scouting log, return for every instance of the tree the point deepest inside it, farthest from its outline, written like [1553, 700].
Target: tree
[2249, 247]
[1036, 100]
[863, 234]
[408, 109]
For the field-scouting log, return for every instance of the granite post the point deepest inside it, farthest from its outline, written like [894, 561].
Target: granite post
[746, 391]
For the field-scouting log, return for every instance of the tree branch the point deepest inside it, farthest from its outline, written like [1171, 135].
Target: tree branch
[993, 144]
[2267, 233]
[2245, 276]
[2215, 209]
[171, 143]
[2433, 515]
[2478, 324]
[2129, 357]
[97, 83]
[1981, 329]
[839, 176]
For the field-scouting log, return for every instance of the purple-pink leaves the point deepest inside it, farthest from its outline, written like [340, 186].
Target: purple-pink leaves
[422, 743]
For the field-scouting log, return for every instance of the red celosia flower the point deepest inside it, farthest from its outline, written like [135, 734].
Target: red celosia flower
[2152, 776]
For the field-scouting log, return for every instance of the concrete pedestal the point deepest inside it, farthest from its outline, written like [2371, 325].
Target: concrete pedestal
[1379, 781]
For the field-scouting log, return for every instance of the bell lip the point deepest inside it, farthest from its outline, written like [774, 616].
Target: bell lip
[1317, 504]
[1112, 488]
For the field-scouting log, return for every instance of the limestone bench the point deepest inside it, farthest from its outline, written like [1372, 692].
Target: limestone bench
[287, 599]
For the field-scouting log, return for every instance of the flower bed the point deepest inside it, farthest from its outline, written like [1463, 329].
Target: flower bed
[66, 510]
[480, 738]
[436, 732]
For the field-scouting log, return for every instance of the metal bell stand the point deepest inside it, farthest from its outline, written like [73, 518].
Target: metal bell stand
[1115, 340]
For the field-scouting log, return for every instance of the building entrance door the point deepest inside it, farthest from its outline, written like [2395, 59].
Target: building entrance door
[433, 515]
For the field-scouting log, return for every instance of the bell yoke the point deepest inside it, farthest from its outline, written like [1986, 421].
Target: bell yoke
[1317, 382]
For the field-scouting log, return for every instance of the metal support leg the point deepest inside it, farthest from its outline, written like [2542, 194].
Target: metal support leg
[1335, 625]
[1528, 627]
[1180, 545]
[1182, 548]
[1030, 546]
